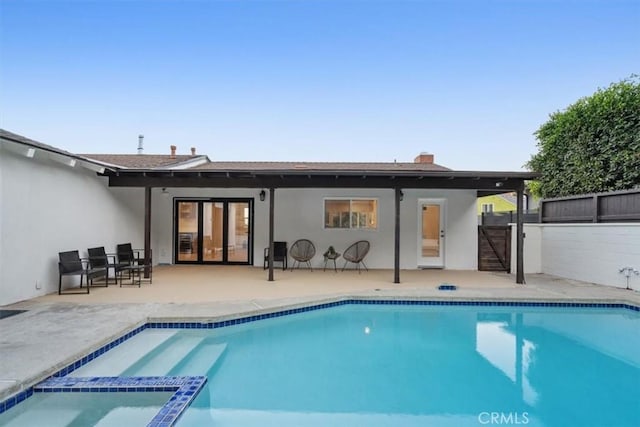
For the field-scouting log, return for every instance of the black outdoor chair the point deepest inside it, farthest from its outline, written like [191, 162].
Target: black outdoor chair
[70, 264]
[356, 253]
[129, 259]
[279, 254]
[302, 251]
[98, 258]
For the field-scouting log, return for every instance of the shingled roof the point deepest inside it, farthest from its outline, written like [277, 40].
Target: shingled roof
[144, 161]
[319, 166]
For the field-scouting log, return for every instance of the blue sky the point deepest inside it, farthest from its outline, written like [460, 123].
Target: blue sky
[321, 80]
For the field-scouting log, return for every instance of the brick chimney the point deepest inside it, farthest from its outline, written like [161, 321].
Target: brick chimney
[193, 151]
[424, 158]
[173, 151]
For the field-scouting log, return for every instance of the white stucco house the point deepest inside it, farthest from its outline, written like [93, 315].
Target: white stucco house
[189, 209]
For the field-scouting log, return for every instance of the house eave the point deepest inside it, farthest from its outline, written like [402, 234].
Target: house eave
[478, 180]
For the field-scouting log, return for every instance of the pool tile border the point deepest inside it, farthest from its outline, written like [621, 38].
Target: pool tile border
[158, 421]
[185, 390]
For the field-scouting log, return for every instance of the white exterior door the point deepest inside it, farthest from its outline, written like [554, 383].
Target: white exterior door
[431, 233]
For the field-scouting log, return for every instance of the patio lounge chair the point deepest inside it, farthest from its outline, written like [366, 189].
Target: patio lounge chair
[98, 258]
[279, 254]
[131, 261]
[356, 253]
[70, 264]
[302, 251]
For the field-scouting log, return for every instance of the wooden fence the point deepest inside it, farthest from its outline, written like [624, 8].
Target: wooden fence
[506, 218]
[494, 248]
[616, 206]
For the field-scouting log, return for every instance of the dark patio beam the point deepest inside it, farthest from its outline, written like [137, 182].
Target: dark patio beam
[316, 181]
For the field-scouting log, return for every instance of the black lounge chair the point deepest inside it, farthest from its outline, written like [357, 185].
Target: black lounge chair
[356, 253]
[302, 251]
[70, 264]
[129, 259]
[279, 254]
[98, 258]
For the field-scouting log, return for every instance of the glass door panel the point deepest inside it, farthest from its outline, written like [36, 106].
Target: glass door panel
[238, 232]
[212, 236]
[187, 231]
[213, 231]
[431, 239]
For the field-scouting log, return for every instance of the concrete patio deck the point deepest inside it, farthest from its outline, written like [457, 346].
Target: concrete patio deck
[57, 330]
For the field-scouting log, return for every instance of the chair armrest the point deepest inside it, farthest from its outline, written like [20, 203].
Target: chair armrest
[140, 255]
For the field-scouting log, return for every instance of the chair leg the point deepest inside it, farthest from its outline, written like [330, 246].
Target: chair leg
[60, 284]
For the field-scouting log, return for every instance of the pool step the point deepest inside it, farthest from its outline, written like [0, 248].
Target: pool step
[165, 360]
[51, 417]
[128, 417]
[120, 358]
[203, 359]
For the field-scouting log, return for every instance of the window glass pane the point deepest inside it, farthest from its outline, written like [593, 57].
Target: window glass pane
[350, 214]
[364, 214]
[336, 213]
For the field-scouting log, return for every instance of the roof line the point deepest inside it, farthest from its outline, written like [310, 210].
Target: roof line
[44, 147]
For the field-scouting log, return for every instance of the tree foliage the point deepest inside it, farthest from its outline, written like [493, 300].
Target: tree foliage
[593, 145]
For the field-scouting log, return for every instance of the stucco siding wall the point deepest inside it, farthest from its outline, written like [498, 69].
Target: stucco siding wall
[532, 248]
[592, 252]
[48, 207]
[299, 213]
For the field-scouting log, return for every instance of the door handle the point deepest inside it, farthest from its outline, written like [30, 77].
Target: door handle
[441, 233]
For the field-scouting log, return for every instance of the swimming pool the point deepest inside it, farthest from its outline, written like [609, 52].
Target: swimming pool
[400, 364]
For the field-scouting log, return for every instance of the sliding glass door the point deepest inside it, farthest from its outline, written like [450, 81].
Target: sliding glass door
[214, 231]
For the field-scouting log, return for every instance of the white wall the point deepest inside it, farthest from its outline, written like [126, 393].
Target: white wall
[587, 252]
[532, 249]
[162, 218]
[299, 213]
[48, 207]
[592, 252]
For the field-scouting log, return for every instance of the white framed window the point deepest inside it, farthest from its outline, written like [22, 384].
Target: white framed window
[348, 213]
[487, 207]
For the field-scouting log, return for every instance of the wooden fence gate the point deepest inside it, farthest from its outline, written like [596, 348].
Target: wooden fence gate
[494, 248]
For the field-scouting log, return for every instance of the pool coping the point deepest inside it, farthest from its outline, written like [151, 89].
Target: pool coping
[174, 408]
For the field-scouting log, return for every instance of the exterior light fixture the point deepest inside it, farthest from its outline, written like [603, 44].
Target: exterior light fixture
[401, 195]
[499, 184]
[263, 195]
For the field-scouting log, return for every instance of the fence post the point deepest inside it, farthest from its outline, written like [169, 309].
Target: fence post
[595, 208]
[519, 236]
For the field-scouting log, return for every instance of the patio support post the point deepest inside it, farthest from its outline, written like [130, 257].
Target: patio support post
[147, 231]
[396, 247]
[271, 212]
[520, 235]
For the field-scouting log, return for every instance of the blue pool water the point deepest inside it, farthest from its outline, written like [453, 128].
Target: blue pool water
[418, 366]
[400, 365]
